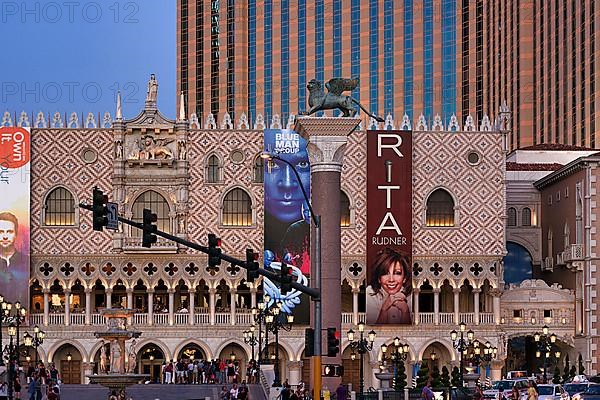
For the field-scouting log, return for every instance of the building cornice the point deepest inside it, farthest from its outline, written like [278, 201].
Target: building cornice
[569, 169]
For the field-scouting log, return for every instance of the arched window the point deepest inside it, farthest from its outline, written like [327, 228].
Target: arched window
[511, 216]
[213, 169]
[440, 209]
[237, 208]
[344, 209]
[59, 209]
[526, 217]
[259, 169]
[157, 204]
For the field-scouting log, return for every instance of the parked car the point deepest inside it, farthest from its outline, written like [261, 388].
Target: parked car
[457, 393]
[552, 392]
[502, 389]
[574, 389]
[591, 393]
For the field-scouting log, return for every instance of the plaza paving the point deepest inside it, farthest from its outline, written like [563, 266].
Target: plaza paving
[151, 392]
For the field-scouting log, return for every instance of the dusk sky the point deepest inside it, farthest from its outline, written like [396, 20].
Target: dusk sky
[75, 55]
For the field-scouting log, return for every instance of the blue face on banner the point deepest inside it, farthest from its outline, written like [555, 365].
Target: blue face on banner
[283, 194]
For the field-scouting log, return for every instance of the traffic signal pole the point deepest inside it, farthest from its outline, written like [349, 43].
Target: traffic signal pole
[317, 360]
[314, 293]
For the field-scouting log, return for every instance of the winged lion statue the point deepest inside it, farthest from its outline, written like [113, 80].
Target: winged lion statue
[318, 100]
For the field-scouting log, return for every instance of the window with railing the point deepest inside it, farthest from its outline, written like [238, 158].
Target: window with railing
[59, 208]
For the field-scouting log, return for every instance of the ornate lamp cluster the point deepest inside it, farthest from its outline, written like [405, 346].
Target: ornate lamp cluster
[274, 320]
[14, 316]
[471, 349]
[397, 357]
[545, 345]
[361, 345]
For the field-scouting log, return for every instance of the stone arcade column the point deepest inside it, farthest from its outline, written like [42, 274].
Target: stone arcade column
[211, 304]
[171, 292]
[67, 306]
[456, 292]
[46, 292]
[130, 298]
[108, 292]
[150, 306]
[476, 292]
[192, 305]
[295, 372]
[88, 306]
[416, 292]
[436, 305]
[232, 293]
[327, 138]
[496, 370]
[355, 321]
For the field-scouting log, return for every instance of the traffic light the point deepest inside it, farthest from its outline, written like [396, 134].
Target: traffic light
[99, 209]
[333, 342]
[309, 342]
[149, 229]
[286, 278]
[214, 251]
[251, 265]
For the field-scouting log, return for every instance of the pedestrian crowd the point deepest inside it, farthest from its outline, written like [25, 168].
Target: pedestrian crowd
[203, 372]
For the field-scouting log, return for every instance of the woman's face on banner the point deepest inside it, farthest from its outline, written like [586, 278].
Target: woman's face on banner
[283, 194]
[393, 281]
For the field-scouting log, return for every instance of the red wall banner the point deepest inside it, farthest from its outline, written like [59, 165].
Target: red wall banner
[389, 227]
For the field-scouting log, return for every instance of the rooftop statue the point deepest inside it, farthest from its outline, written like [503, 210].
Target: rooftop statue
[318, 100]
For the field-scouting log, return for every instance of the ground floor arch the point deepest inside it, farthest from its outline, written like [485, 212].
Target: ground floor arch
[69, 361]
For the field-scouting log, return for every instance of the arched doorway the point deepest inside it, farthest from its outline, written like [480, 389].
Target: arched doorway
[68, 361]
[517, 264]
[234, 354]
[191, 352]
[525, 354]
[151, 358]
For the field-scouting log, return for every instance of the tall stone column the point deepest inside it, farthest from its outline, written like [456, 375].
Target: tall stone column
[327, 139]
[108, 292]
[355, 292]
[130, 298]
[232, 294]
[192, 305]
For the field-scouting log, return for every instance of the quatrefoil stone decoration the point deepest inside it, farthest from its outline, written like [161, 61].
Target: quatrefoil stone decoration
[355, 269]
[46, 269]
[456, 269]
[417, 269]
[192, 269]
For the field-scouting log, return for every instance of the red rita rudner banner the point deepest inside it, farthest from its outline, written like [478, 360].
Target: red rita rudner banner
[389, 227]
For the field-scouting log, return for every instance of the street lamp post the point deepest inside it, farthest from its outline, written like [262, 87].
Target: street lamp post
[260, 314]
[362, 345]
[398, 357]
[34, 341]
[544, 342]
[250, 338]
[275, 322]
[316, 278]
[461, 345]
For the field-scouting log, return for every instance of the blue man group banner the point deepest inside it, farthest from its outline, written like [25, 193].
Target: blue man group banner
[15, 214]
[389, 227]
[287, 216]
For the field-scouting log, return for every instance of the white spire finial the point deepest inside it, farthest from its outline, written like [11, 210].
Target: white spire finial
[119, 116]
[182, 107]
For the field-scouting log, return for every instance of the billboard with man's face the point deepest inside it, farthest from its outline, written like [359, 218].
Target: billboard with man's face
[389, 227]
[14, 214]
[287, 216]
